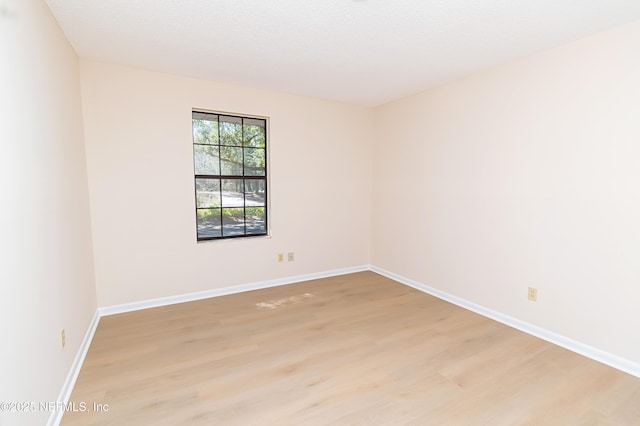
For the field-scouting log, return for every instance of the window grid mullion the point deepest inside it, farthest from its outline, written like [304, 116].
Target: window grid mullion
[244, 184]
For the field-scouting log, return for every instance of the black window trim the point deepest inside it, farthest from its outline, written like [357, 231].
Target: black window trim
[265, 178]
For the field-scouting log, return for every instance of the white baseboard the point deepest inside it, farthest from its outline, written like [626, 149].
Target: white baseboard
[596, 354]
[74, 371]
[189, 297]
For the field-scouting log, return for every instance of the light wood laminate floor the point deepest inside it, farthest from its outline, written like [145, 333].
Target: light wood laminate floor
[357, 349]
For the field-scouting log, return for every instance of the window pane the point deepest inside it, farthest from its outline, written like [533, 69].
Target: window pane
[256, 220]
[254, 160]
[208, 193]
[254, 192]
[233, 221]
[205, 128]
[206, 160]
[232, 193]
[231, 160]
[254, 132]
[209, 223]
[230, 130]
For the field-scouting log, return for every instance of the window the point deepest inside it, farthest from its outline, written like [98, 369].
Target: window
[230, 164]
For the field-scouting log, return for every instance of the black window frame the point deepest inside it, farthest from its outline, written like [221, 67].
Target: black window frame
[260, 181]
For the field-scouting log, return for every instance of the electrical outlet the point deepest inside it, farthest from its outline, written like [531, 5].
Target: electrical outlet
[290, 257]
[63, 338]
[280, 257]
[533, 294]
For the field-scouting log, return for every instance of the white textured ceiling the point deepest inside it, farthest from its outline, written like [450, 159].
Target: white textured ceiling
[365, 52]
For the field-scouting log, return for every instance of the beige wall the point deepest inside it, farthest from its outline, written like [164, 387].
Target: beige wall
[527, 174]
[46, 276]
[140, 162]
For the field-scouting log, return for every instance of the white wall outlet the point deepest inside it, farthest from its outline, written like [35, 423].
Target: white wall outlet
[290, 257]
